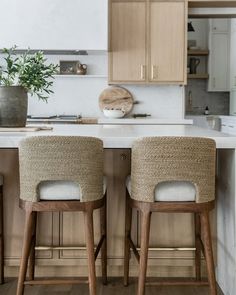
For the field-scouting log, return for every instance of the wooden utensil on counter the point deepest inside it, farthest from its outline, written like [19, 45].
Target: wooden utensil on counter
[116, 98]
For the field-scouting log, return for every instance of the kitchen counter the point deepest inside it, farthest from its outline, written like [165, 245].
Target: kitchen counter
[121, 136]
[117, 141]
[145, 121]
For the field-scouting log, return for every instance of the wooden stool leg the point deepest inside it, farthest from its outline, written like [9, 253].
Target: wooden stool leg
[88, 216]
[103, 221]
[208, 251]
[1, 238]
[128, 222]
[32, 253]
[145, 231]
[198, 246]
[25, 251]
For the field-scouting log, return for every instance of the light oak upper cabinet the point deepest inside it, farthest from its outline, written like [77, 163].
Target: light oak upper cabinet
[127, 41]
[167, 42]
[147, 42]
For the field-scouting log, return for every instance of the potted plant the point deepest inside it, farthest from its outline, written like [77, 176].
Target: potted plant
[20, 75]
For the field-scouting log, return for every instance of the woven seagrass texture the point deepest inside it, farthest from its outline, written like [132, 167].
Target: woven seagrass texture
[160, 159]
[52, 158]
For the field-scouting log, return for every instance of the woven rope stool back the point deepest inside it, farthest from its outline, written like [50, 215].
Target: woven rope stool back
[53, 158]
[160, 159]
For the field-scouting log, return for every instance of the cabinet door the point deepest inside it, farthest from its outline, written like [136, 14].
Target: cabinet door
[233, 60]
[168, 41]
[127, 58]
[14, 217]
[228, 126]
[116, 169]
[219, 62]
[233, 25]
[220, 25]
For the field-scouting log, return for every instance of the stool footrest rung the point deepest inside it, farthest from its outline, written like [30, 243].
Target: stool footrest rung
[56, 282]
[97, 248]
[178, 283]
[47, 248]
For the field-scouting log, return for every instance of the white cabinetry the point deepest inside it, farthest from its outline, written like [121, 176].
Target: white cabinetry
[219, 46]
[219, 25]
[233, 25]
[228, 125]
[54, 24]
[233, 54]
[207, 122]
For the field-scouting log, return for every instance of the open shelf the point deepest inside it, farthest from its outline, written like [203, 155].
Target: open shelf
[81, 76]
[198, 76]
[198, 52]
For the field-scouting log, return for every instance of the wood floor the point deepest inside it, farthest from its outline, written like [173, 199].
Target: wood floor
[114, 287]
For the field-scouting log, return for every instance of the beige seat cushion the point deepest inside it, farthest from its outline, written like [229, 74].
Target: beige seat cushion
[61, 190]
[171, 191]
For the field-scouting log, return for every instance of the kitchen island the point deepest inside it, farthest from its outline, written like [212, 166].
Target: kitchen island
[175, 230]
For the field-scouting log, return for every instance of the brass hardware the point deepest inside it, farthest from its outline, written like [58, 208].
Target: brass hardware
[170, 249]
[143, 68]
[152, 74]
[46, 248]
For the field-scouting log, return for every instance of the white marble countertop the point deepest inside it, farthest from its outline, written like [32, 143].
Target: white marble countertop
[120, 136]
[144, 121]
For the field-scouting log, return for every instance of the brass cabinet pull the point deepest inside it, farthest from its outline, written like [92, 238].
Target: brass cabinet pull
[143, 72]
[154, 74]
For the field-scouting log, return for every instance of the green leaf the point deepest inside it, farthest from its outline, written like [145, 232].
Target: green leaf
[29, 71]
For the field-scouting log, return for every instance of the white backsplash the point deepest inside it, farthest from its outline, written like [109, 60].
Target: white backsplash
[79, 95]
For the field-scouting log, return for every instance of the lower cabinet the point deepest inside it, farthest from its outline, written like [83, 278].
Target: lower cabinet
[228, 125]
[116, 169]
[66, 229]
[14, 216]
[232, 54]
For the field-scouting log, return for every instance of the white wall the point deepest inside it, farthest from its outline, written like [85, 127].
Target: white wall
[75, 95]
[54, 24]
[201, 36]
[201, 32]
[79, 95]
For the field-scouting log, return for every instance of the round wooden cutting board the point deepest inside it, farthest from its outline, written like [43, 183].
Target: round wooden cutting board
[116, 98]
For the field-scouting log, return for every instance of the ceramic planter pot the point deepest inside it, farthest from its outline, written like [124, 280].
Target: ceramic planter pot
[13, 106]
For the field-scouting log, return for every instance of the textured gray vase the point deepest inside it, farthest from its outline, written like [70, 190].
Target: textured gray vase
[13, 106]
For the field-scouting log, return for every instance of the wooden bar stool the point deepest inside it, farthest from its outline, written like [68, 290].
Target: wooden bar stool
[1, 233]
[172, 174]
[60, 173]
